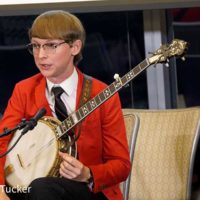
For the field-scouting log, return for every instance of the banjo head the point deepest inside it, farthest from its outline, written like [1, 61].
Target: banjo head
[35, 155]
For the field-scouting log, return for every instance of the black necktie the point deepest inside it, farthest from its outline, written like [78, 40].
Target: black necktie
[60, 109]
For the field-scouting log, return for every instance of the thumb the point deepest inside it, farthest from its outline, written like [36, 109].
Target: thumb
[61, 154]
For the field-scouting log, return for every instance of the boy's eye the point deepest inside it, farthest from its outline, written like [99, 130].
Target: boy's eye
[50, 45]
[35, 46]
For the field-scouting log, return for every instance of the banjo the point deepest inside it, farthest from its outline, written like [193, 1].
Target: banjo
[36, 155]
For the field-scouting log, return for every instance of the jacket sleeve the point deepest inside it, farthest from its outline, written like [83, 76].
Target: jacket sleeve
[12, 116]
[116, 162]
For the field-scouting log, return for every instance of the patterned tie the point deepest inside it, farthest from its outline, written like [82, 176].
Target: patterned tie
[60, 109]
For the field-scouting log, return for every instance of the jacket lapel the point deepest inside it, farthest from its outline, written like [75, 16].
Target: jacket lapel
[40, 97]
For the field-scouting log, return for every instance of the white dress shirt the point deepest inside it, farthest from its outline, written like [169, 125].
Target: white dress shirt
[68, 96]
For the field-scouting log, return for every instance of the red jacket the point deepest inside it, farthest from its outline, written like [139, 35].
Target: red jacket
[102, 145]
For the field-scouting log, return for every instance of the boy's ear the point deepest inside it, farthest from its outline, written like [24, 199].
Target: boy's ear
[76, 47]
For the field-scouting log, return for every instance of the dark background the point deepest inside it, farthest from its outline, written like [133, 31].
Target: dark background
[108, 50]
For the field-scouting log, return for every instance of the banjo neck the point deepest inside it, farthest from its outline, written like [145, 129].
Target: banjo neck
[76, 117]
[176, 48]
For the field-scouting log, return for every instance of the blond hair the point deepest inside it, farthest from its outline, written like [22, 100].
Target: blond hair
[59, 24]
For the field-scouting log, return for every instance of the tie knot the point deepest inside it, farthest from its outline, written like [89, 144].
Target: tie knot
[57, 91]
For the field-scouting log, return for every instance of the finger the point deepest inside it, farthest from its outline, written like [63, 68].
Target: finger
[67, 173]
[71, 160]
[66, 157]
[61, 154]
[67, 166]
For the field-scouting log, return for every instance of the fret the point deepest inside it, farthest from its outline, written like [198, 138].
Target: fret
[107, 92]
[93, 103]
[74, 117]
[64, 127]
[101, 96]
[136, 70]
[143, 64]
[117, 85]
[97, 100]
[85, 109]
[70, 121]
[89, 106]
[127, 77]
[124, 80]
[130, 75]
[58, 131]
[112, 88]
[61, 128]
[81, 113]
[78, 115]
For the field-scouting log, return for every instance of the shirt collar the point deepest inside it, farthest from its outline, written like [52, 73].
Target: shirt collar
[68, 85]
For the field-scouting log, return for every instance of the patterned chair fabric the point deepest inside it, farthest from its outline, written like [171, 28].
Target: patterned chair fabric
[164, 154]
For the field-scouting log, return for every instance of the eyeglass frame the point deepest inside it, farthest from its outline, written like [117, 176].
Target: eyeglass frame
[38, 46]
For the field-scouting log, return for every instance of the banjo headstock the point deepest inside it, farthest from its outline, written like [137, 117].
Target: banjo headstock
[177, 48]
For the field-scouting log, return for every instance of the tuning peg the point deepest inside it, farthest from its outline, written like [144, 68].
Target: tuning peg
[183, 58]
[116, 76]
[167, 64]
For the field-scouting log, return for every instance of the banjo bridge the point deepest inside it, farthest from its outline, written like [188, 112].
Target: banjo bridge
[20, 161]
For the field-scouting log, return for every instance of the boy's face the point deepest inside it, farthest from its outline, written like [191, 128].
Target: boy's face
[54, 58]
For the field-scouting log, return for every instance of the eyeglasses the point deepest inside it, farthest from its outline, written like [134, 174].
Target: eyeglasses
[49, 48]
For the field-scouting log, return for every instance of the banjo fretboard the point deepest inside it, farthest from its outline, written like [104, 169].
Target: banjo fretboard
[176, 48]
[74, 118]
